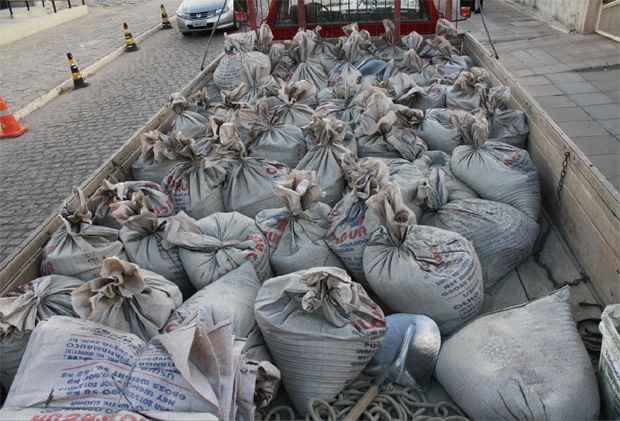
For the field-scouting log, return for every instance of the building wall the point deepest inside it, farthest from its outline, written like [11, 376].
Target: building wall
[570, 13]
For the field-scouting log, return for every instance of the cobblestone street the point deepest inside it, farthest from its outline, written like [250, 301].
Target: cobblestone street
[72, 135]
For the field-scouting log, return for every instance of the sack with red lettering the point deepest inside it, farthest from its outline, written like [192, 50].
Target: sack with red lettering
[155, 199]
[156, 157]
[78, 247]
[296, 233]
[249, 184]
[213, 246]
[321, 329]
[421, 269]
[127, 297]
[350, 223]
[195, 183]
[23, 309]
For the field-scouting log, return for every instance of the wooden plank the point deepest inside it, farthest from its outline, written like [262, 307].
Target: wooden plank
[507, 292]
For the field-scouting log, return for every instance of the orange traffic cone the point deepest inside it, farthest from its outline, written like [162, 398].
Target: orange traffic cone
[165, 22]
[9, 126]
[130, 43]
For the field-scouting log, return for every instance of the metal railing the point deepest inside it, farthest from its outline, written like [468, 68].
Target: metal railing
[28, 2]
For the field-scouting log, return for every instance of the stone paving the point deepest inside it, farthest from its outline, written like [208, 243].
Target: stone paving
[30, 67]
[71, 136]
[575, 77]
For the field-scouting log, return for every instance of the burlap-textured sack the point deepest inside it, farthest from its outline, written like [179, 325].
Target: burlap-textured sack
[77, 248]
[213, 246]
[321, 329]
[128, 298]
[22, 310]
[156, 157]
[421, 269]
[526, 362]
[296, 233]
[227, 74]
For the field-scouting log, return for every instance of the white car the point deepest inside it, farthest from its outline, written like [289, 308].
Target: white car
[201, 15]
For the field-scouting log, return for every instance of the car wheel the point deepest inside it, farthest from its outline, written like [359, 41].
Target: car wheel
[186, 34]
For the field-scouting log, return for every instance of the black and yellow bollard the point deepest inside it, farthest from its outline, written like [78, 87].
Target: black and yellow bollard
[165, 22]
[78, 80]
[130, 43]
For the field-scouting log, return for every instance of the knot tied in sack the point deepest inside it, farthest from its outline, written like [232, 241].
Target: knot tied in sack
[136, 214]
[299, 191]
[497, 98]
[118, 279]
[365, 177]
[391, 211]
[473, 128]
[74, 215]
[327, 131]
[433, 190]
[473, 81]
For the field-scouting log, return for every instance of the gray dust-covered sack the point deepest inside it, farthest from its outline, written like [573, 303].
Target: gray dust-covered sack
[421, 269]
[195, 183]
[407, 176]
[350, 222]
[440, 161]
[505, 124]
[321, 329]
[274, 140]
[438, 132]
[78, 247]
[609, 377]
[155, 199]
[526, 362]
[380, 134]
[502, 235]
[295, 102]
[404, 89]
[128, 298]
[340, 101]
[156, 157]
[296, 233]
[326, 157]
[249, 185]
[23, 309]
[495, 170]
[227, 74]
[465, 94]
[187, 122]
[213, 246]
[309, 66]
[144, 240]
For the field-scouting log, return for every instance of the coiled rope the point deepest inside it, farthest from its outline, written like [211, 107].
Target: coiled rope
[394, 403]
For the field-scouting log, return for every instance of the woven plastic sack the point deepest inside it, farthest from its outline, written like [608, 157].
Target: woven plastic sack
[419, 44]
[339, 101]
[380, 134]
[22, 310]
[78, 247]
[350, 222]
[495, 170]
[508, 360]
[465, 94]
[186, 122]
[326, 158]
[86, 370]
[256, 79]
[155, 199]
[505, 124]
[404, 89]
[502, 235]
[438, 132]
[608, 362]
[215, 245]
[402, 62]
[156, 158]
[294, 102]
[408, 176]
[440, 161]
[195, 183]
[227, 74]
[296, 233]
[144, 240]
[326, 51]
[421, 269]
[309, 65]
[128, 298]
[249, 185]
[321, 329]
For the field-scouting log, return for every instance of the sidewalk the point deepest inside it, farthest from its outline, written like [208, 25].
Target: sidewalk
[30, 67]
[574, 77]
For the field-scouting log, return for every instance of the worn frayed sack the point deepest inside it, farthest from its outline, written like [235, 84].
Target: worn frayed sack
[78, 247]
[23, 309]
[128, 298]
[326, 157]
[407, 176]
[465, 94]
[144, 241]
[404, 89]
[321, 329]
[495, 170]
[340, 101]
[195, 183]
[502, 235]
[309, 66]
[420, 269]
[155, 199]
[156, 157]
[213, 246]
[439, 162]
[249, 185]
[194, 372]
[350, 222]
[296, 233]
[227, 74]
[294, 103]
[526, 362]
[608, 361]
[505, 124]
[438, 132]
[187, 122]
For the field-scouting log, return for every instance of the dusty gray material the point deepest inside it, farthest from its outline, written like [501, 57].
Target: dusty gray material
[437, 131]
[128, 298]
[22, 310]
[502, 235]
[187, 122]
[215, 245]
[505, 124]
[495, 170]
[156, 158]
[404, 88]
[467, 91]
[295, 103]
[527, 363]
[342, 101]
[296, 233]
[608, 362]
[407, 176]
[321, 329]
[440, 161]
[421, 269]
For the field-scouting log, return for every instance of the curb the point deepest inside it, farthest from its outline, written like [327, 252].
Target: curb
[67, 85]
